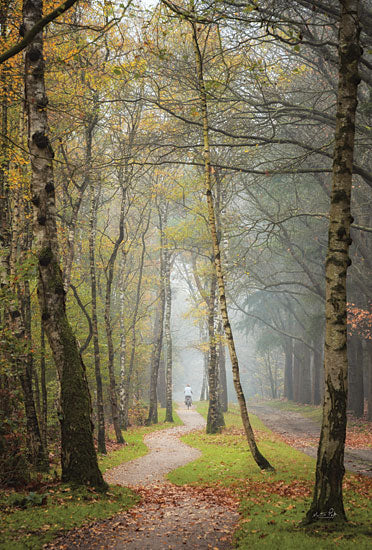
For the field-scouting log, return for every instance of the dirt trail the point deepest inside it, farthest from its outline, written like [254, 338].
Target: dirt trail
[304, 435]
[168, 517]
[167, 453]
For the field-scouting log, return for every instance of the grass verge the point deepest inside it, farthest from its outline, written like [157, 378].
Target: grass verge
[32, 518]
[273, 503]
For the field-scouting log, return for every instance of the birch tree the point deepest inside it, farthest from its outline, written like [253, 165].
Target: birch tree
[79, 460]
[328, 500]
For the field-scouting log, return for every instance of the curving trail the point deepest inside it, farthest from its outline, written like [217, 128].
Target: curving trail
[168, 517]
[167, 452]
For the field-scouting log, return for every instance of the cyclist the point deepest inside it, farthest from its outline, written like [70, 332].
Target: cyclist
[188, 396]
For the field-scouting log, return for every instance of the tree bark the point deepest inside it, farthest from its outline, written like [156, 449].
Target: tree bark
[297, 359]
[317, 380]
[305, 376]
[204, 394]
[328, 499]
[168, 338]
[158, 332]
[288, 369]
[224, 402]
[123, 339]
[258, 457]
[215, 420]
[101, 429]
[79, 460]
[44, 393]
[128, 373]
[108, 324]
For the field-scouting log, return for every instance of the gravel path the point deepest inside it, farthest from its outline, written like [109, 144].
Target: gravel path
[304, 434]
[169, 517]
[167, 453]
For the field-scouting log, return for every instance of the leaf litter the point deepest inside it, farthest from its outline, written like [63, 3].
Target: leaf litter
[168, 517]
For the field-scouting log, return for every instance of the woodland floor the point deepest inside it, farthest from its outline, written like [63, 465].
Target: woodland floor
[303, 434]
[173, 517]
[169, 517]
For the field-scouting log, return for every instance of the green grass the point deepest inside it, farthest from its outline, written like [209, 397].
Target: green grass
[273, 503]
[62, 510]
[28, 520]
[309, 411]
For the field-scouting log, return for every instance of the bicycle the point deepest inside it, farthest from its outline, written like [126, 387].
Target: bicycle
[188, 401]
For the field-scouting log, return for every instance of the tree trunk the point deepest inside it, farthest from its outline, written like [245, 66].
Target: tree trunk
[123, 341]
[39, 455]
[288, 369]
[271, 377]
[20, 320]
[44, 393]
[222, 373]
[204, 394]
[101, 430]
[161, 383]
[297, 358]
[168, 338]
[317, 376]
[155, 360]
[108, 324]
[215, 420]
[305, 376]
[79, 460]
[158, 335]
[5, 218]
[126, 382]
[330, 469]
[258, 457]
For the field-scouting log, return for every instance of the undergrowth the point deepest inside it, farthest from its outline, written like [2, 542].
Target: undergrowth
[272, 504]
[33, 517]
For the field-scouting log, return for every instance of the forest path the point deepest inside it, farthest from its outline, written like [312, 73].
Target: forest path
[168, 517]
[303, 434]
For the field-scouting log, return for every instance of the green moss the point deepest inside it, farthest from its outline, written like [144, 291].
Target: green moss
[45, 256]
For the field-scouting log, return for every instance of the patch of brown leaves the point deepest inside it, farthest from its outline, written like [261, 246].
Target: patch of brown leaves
[358, 484]
[173, 494]
[261, 490]
[359, 433]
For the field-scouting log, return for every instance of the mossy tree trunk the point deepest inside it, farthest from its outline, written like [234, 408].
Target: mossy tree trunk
[79, 460]
[328, 499]
[258, 457]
